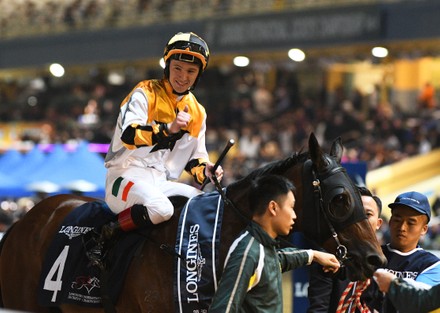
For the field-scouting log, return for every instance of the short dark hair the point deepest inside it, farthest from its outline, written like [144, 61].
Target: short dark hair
[364, 191]
[267, 188]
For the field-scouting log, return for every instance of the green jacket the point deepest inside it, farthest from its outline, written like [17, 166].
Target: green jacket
[251, 280]
[407, 298]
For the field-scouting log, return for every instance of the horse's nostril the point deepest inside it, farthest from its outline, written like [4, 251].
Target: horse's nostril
[376, 260]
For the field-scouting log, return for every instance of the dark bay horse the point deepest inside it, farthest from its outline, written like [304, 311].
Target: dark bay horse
[328, 207]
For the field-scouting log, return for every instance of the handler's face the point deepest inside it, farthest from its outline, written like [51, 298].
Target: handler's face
[286, 215]
[372, 212]
[182, 75]
[406, 228]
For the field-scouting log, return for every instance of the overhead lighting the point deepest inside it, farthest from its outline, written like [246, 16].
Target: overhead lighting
[115, 78]
[241, 61]
[162, 63]
[56, 70]
[379, 52]
[296, 55]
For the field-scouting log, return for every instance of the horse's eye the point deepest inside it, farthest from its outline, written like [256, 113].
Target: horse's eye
[340, 207]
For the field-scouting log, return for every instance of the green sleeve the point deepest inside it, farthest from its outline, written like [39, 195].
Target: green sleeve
[408, 298]
[292, 258]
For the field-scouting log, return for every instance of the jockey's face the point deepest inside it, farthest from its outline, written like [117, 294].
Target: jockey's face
[183, 75]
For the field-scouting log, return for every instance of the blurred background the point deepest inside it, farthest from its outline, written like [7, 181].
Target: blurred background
[367, 71]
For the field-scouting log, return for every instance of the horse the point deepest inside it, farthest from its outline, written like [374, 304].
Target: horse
[329, 213]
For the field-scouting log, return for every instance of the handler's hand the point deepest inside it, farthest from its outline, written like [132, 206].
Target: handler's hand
[218, 172]
[181, 121]
[383, 279]
[328, 261]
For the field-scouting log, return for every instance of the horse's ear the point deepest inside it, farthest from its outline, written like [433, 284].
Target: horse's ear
[315, 151]
[337, 149]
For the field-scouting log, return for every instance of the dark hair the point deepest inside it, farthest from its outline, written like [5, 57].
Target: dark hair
[267, 188]
[364, 191]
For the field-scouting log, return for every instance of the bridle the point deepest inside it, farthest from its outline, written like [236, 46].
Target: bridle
[341, 250]
[328, 183]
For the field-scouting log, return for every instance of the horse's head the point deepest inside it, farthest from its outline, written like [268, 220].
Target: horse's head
[333, 214]
[328, 205]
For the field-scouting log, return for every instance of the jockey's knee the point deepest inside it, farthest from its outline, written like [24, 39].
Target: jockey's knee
[161, 214]
[167, 212]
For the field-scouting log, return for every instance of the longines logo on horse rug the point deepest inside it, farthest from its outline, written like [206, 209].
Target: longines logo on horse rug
[197, 243]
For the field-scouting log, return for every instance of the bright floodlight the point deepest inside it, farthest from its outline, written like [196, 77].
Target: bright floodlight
[56, 70]
[115, 78]
[379, 52]
[296, 55]
[241, 61]
[162, 63]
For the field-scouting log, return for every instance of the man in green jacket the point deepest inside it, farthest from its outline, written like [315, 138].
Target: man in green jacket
[251, 280]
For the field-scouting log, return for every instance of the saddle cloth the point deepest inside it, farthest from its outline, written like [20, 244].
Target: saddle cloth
[67, 274]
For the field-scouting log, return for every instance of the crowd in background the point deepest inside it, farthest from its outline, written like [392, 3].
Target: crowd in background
[268, 119]
[42, 17]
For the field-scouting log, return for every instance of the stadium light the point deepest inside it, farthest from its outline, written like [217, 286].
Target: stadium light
[379, 52]
[162, 63]
[296, 55]
[241, 61]
[56, 70]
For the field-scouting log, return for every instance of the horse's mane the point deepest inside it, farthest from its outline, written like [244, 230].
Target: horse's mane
[275, 167]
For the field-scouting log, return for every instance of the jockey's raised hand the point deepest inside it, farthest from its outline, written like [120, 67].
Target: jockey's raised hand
[181, 121]
[218, 172]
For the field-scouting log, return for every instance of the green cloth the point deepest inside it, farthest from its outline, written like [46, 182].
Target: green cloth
[407, 298]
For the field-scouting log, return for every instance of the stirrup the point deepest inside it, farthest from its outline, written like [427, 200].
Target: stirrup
[94, 250]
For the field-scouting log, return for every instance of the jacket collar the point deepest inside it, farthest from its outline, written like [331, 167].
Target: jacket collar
[261, 235]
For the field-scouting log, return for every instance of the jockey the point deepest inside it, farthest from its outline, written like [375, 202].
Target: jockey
[160, 132]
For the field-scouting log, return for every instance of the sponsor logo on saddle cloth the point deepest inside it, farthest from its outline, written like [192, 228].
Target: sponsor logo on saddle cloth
[74, 231]
[197, 242]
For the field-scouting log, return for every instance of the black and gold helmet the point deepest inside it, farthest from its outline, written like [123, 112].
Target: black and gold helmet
[186, 47]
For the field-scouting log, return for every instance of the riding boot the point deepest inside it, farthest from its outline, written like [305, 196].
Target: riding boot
[129, 219]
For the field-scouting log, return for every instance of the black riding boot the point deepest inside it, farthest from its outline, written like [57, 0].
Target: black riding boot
[129, 219]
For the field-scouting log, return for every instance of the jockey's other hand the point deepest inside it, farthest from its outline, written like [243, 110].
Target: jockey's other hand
[182, 120]
[218, 172]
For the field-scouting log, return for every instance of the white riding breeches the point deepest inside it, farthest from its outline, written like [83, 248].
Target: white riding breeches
[148, 187]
